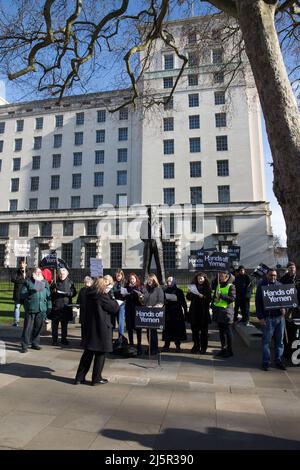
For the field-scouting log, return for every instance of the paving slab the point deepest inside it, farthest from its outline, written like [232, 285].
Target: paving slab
[17, 428]
[53, 438]
[187, 402]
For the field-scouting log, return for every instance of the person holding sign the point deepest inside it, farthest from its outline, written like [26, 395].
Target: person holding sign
[272, 322]
[119, 285]
[176, 310]
[199, 293]
[153, 297]
[222, 306]
[63, 290]
[133, 293]
[36, 296]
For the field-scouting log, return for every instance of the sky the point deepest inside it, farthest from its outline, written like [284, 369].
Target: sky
[13, 91]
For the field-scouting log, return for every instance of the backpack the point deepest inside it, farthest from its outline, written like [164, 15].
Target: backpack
[120, 347]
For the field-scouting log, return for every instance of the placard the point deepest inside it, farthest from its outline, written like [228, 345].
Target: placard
[196, 262]
[261, 270]
[234, 252]
[150, 317]
[96, 267]
[21, 248]
[283, 296]
[217, 261]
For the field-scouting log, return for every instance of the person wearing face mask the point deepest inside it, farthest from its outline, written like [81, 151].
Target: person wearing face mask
[176, 310]
[133, 294]
[81, 301]
[35, 294]
[199, 293]
[153, 297]
[272, 322]
[63, 290]
[222, 307]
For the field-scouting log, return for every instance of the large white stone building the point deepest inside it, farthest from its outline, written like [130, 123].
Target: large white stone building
[60, 161]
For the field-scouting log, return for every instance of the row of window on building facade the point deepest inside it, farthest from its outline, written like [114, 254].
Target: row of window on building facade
[168, 198]
[224, 225]
[193, 101]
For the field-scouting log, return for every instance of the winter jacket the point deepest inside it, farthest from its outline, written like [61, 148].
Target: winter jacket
[18, 280]
[98, 325]
[261, 313]
[153, 296]
[199, 308]
[224, 314]
[60, 301]
[36, 301]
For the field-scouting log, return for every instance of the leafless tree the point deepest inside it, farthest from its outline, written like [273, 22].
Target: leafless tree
[62, 42]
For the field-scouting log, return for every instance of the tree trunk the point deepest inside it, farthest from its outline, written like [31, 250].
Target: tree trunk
[256, 18]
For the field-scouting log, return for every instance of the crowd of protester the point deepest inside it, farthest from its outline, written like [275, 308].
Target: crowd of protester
[109, 302]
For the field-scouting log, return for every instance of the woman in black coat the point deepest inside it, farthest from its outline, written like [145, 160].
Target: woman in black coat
[176, 310]
[200, 296]
[98, 339]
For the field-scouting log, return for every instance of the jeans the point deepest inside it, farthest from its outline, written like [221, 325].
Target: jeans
[274, 326]
[121, 319]
[17, 313]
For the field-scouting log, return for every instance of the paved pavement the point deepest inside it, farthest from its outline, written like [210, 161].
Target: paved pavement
[188, 402]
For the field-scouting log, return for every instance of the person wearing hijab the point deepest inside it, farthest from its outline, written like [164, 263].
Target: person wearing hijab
[176, 310]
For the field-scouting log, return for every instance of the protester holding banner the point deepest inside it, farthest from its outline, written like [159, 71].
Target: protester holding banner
[63, 290]
[81, 300]
[35, 294]
[199, 293]
[272, 322]
[119, 279]
[133, 293]
[243, 295]
[176, 311]
[18, 280]
[222, 306]
[98, 339]
[153, 297]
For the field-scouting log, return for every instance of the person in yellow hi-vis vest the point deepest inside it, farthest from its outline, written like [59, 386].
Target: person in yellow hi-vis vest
[222, 307]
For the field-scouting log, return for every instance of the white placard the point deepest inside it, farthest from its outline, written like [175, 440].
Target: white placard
[171, 297]
[193, 289]
[124, 291]
[96, 267]
[21, 248]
